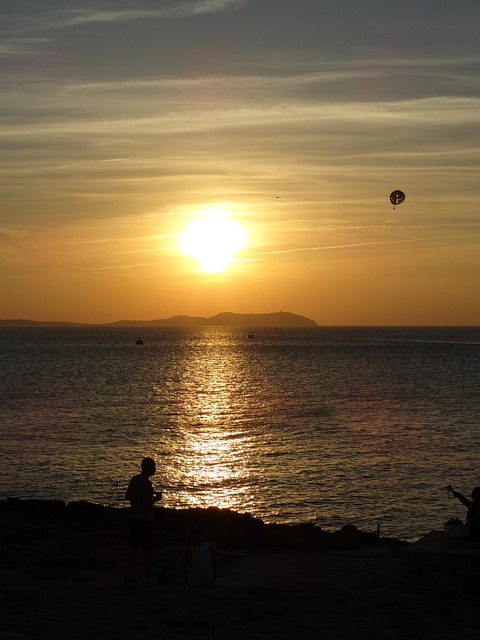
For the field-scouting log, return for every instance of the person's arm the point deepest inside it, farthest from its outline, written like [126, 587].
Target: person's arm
[143, 495]
[149, 499]
[456, 494]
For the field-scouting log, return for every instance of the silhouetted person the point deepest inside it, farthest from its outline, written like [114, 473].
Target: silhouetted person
[473, 509]
[142, 497]
[199, 560]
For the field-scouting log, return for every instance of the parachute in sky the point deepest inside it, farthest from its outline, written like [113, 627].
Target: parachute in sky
[397, 197]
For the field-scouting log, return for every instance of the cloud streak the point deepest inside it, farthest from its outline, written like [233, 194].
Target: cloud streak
[73, 17]
[67, 18]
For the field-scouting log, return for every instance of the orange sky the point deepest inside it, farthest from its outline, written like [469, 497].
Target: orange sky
[121, 126]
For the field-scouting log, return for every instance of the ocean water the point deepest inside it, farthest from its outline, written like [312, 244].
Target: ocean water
[334, 426]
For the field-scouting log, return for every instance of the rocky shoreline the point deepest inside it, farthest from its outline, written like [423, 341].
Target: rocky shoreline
[61, 575]
[67, 528]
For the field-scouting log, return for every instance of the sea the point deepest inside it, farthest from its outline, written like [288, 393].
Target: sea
[325, 425]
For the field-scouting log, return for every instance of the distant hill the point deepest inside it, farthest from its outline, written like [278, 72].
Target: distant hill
[38, 323]
[279, 319]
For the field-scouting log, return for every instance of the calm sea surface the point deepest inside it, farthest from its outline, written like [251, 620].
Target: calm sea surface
[325, 425]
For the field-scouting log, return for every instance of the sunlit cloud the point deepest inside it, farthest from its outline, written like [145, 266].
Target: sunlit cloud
[333, 247]
[12, 232]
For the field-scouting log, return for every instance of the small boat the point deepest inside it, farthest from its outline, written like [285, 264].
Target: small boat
[139, 341]
[251, 335]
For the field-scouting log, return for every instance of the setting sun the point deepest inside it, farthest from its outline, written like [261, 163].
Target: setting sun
[212, 240]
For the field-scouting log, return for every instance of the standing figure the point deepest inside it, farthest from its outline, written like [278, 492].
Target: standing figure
[473, 509]
[142, 497]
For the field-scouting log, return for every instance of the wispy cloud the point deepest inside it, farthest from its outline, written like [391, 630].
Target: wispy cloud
[67, 17]
[335, 246]
[12, 233]
[76, 17]
[21, 47]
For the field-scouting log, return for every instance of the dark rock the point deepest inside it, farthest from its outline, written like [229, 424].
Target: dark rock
[16, 505]
[349, 537]
[227, 529]
[88, 511]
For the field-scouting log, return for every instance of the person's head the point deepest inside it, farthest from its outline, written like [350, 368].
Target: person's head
[148, 467]
[194, 536]
[476, 494]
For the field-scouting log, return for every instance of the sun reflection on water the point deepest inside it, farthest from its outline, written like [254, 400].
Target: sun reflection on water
[207, 467]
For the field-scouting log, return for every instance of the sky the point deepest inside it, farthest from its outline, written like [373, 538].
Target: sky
[170, 157]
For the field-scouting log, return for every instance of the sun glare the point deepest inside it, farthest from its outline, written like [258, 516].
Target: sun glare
[212, 240]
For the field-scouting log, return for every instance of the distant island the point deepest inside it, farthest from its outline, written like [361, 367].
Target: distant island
[226, 319]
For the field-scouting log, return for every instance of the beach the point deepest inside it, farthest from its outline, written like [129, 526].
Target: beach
[62, 575]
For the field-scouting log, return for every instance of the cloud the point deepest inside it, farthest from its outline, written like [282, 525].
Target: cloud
[95, 143]
[12, 233]
[17, 47]
[76, 17]
[336, 246]
[67, 18]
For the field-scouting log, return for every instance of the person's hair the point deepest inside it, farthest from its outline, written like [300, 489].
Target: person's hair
[148, 464]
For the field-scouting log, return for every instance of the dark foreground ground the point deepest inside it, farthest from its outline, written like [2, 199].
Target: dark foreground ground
[61, 576]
